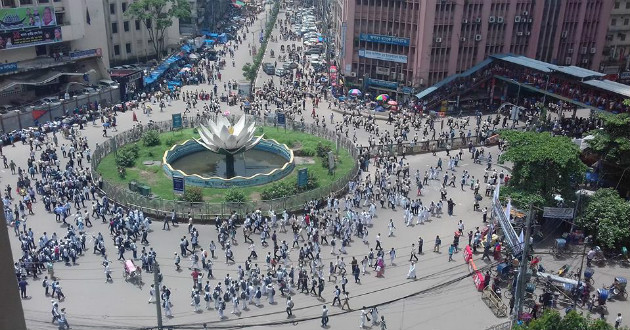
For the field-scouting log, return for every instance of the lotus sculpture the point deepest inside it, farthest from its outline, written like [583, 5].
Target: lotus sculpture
[221, 137]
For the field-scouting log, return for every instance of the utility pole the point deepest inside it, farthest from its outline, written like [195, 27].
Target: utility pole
[587, 240]
[522, 273]
[158, 303]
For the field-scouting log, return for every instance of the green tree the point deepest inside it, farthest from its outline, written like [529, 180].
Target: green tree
[551, 320]
[607, 218]
[543, 165]
[612, 144]
[157, 16]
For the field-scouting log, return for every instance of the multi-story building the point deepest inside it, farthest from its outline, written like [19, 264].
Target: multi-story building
[49, 47]
[402, 46]
[617, 50]
[191, 26]
[128, 40]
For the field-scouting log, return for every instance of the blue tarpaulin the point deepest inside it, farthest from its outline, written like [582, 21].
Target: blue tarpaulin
[186, 48]
[159, 71]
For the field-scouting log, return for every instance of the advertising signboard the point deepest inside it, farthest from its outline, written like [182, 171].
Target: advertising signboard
[381, 39]
[177, 120]
[86, 53]
[302, 177]
[383, 56]
[31, 37]
[282, 119]
[27, 18]
[179, 185]
[8, 67]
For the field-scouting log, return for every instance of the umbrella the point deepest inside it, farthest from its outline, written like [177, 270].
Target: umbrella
[382, 98]
[227, 113]
[354, 92]
[392, 102]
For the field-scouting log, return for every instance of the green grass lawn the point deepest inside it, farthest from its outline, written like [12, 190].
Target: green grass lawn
[162, 186]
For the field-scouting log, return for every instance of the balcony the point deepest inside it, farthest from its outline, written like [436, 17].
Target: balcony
[43, 62]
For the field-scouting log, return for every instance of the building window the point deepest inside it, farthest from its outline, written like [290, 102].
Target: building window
[617, 5]
[126, 26]
[613, 22]
[128, 48]
[112, 8]
[628, 5]
[137, 25]
[116, 50]
[26, 2]
[622, 36]
[149, 23]
[114, 27]
[124, 7]
[44, 1]
[626, 21]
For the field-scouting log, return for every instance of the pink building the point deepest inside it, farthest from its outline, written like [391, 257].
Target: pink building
[400, 46]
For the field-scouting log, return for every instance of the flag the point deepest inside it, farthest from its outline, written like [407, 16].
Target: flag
[495, 197]
[521, 238]
[135, 118]
[37, 114]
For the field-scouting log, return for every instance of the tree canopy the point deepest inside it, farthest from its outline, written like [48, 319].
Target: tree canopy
[607, 218]
[551, 320]
[157, 16]
[612, 142]
[544, 165]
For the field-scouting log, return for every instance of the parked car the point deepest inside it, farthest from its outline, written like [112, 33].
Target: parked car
[269, 69]
[290, 66]
[280, 72]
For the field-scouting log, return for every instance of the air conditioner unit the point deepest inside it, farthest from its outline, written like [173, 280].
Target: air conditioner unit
[567, 61]
[528, 33]
[519, 34]
[478, 20]
[438, 40]
[525, 13]
[593, 50]
[517, 19]
[584, 50]
[564, 34]
[478, 37]
[585, 61]
[491, 19]
[462, 39]
[570, 50]
[530, 20]
[465, 21]
[499, 19]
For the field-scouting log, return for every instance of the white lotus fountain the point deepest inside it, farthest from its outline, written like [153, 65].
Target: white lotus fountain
[221, 137]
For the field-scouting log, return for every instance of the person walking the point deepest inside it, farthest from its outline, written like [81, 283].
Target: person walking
[364, 317]
[62, 320]
[438, 242]
[324, 316]
[22, 284]
[451, 250]
[383, 324]
[346, 301]
[289, 307]
[413, 253]
[618, 321]
[152, 294]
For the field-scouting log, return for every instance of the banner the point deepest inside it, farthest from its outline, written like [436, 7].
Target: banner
[179, 185]
[27, 18]
[390, 40]
[383, 56]
[382, 83]
[86, 53]
[177, 120]
[8, 67]
[32, 37]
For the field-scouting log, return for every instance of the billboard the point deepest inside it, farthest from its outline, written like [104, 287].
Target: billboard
[390, 40]
[383, 56]
[27, 18]
[32, 37]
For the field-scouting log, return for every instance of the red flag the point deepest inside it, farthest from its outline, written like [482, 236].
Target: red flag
[38, 113]
[134, 116]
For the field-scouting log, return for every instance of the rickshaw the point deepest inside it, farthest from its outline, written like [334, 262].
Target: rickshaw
[131, 272]
[602, 297]
[618, 288]
[559, 247]
[588, 276]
